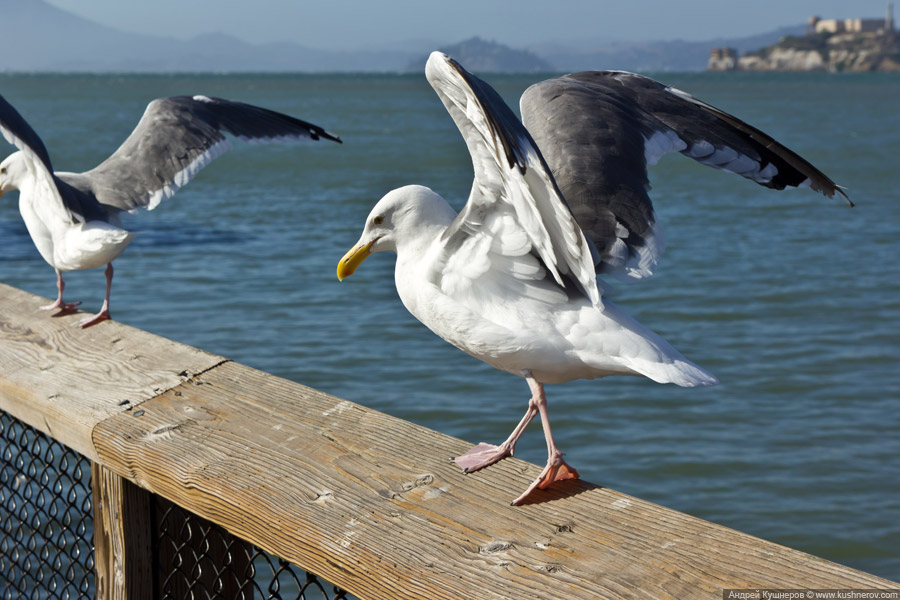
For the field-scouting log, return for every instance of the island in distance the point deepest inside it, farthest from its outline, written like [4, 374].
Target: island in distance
[835, 45]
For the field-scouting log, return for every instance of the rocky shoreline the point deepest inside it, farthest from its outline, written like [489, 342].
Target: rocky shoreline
[840, 52]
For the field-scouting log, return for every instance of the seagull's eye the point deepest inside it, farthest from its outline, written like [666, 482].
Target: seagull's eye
[3, 171]
[378, 220]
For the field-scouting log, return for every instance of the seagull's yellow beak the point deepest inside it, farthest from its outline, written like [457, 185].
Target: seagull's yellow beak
[353, 259]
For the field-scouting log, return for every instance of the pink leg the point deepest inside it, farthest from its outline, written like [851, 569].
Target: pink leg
[104, 310]
[557, 469]
[64, 306]
[484, 455]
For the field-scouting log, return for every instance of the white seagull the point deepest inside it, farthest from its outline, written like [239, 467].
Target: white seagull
[73, 218]
[512, 279]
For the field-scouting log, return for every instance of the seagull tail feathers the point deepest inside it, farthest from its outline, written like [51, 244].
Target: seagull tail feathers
[680, 372]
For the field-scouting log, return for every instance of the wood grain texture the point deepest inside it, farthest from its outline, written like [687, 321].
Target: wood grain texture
[364, 500]
[371, 503]
[63, 380]
[123, 560]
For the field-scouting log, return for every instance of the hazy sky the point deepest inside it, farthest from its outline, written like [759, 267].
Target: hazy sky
[334, 24]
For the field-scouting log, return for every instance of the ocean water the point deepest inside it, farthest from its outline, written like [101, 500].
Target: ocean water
[790, 298]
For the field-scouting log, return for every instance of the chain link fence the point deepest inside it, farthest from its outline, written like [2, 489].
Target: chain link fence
[202, 561]
[46, 518]
[46, 537]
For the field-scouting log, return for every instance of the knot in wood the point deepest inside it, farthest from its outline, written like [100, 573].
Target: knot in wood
[421, 480]
[495, 546]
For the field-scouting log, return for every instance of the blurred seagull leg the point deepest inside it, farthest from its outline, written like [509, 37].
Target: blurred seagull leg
[103, 315]
[64, 306]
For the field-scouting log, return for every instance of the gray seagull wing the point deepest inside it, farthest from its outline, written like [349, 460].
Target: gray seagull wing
[513, 190]
[177, 137]
[19, 133]
[598, 131]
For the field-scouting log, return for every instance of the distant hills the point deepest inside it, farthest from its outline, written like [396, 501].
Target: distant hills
[664, 55]
[37, 36]
[481, 55]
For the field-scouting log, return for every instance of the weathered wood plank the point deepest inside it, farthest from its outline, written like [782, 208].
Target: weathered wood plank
[123, 559]
[364, 500]
[371, 503]
[63, 380]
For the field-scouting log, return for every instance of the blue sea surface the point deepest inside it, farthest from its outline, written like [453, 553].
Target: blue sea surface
[790, 298]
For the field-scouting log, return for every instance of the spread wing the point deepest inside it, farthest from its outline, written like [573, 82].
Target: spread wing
[176, 138]
[598, 131]
[515, 224]
[19, 133]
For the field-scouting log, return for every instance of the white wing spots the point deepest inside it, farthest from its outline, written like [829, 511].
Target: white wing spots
[744, 165]
[660, 143]
[186, 174]
[720, 157]
[278, 139]
[617, 254]
[726, 158]
[158, 196]
[768, 173]
[700, 150]
[729, 159]
[645, 260]
[640, 261]
[200, 98]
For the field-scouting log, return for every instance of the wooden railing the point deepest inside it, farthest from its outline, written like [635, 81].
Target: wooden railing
[364, 500]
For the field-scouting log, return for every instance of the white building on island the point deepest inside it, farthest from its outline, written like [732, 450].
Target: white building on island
[818, 25]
